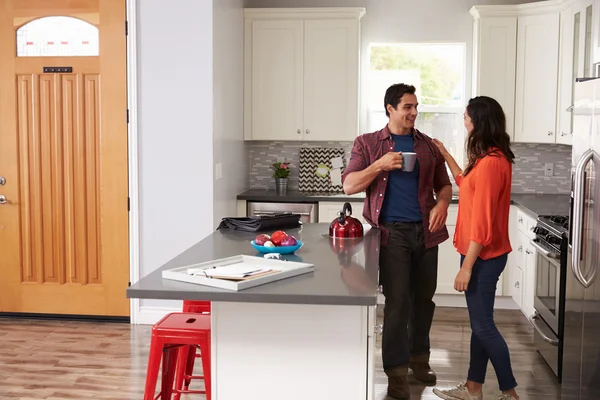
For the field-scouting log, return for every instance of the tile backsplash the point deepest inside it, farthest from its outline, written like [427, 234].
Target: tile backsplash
[528, 171]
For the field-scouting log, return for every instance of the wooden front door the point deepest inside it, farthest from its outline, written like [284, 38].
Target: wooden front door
[64, 235]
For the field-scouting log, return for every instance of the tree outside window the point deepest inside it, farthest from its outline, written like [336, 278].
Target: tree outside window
[438, 73]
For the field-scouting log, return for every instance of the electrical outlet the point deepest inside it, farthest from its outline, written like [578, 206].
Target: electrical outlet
[548, 169]
[218, 171]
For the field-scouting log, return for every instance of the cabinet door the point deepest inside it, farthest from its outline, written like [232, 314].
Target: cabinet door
[495, 53]
[569, 35]
[276, 65]
[537, 76]
[328, 211]
[331, 80]
[517, 286]
[448, 265]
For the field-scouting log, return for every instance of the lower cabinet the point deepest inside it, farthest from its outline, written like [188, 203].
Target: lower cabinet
[328, 210]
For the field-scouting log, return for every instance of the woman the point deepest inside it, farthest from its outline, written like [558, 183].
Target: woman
[481, 237]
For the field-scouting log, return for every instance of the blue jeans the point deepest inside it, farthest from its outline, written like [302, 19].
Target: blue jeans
[487, 342]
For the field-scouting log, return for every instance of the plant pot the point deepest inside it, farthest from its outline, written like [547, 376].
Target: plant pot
[281, 185]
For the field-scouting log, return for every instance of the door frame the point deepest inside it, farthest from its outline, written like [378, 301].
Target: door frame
[133, 164]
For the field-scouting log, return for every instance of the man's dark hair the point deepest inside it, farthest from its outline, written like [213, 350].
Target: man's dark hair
[394, 94]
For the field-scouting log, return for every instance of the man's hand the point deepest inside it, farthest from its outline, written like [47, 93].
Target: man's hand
[437, 217]
[390, 161]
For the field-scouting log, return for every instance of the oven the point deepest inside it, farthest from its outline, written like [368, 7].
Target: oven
[551, 244]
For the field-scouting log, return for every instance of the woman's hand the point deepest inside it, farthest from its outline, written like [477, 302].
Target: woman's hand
[442, 148]
[461, 283]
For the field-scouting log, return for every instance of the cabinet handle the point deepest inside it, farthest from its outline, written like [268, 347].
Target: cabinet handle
[307, 131]
[550, 133]
[379, 328]
[299, 131]
[521, 220]
[528, 251]
[380, 289]
[520, 248]
[563, 134]
[517, 284]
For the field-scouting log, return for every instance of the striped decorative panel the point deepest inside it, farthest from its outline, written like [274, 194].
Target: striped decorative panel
[310, 158]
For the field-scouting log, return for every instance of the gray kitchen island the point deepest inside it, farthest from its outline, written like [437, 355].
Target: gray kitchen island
[308, 336]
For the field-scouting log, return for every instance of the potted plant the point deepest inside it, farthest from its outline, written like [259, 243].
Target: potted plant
[281, 174]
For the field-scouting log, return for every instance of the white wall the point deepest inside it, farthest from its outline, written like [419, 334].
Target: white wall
[175, 92]
[404, 21]
[228, 80]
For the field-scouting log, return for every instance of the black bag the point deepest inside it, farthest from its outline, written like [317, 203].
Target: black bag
[261, 223]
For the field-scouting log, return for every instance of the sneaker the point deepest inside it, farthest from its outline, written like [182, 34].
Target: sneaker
[458, 393]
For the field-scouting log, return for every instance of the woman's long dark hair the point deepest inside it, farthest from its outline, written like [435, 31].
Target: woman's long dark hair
[489, 130]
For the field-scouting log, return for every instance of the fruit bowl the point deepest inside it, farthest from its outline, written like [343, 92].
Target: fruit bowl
[277, 249]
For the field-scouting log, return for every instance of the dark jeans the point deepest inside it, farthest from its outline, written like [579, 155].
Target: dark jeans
[487, 342]
[408, 274]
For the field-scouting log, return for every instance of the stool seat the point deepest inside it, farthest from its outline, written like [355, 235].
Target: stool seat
[183, 324]
[172, 336]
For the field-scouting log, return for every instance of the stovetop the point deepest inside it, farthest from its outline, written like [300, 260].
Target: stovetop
[549, 232]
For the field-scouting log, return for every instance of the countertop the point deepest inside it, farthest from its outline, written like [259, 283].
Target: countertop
[543, 204]
[345, 277]
[534, 204]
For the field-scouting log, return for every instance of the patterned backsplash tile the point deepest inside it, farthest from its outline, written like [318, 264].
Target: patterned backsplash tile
[528, 171]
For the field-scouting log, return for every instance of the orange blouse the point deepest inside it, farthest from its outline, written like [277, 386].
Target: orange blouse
[484, 206]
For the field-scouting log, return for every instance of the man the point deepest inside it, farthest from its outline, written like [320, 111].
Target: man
[413, 224]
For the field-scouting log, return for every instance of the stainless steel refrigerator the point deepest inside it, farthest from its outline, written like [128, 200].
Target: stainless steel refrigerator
[581, 337]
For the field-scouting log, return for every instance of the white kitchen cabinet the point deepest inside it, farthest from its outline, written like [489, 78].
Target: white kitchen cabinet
[569, 32]
[494, 60]
[527, 57]
[328, 210]
[302, 74]
[537, 73]
[448, 264]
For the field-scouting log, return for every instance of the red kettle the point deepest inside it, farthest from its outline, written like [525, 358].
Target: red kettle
[345, 226]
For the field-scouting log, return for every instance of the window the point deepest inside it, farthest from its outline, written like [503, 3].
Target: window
[56, 37]
[438, 73]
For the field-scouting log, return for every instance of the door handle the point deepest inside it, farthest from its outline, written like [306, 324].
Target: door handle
[2, 180]
[578, 205]
[3, 199]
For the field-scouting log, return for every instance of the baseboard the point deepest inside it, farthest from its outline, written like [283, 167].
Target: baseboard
[151, 315]
[458, 300]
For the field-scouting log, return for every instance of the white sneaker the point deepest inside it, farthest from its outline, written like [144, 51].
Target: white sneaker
[459, 393]
[505, 396]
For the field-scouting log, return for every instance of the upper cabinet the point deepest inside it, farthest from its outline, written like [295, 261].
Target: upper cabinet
[536, 50]
[302, 74]
[537, 75]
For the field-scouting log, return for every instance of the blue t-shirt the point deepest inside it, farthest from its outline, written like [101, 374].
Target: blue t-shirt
[401, 203]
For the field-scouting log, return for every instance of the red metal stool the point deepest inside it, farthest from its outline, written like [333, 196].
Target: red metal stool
[186, 359]
[171, 336]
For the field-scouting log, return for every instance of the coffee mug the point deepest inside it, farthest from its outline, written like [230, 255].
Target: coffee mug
[408, 161]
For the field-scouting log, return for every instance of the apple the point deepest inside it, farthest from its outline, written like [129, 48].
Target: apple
[262, 239]
[268, 243]
[289, 241]
[277, 237]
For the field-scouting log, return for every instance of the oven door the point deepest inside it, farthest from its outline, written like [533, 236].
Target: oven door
[547, 286]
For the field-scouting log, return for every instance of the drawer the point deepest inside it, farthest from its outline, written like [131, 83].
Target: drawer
[526, 223]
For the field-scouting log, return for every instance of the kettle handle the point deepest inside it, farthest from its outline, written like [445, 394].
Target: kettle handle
[346, 211]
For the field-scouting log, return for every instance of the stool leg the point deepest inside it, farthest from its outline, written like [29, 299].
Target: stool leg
[205, 350]
[168, 372]
[156, 346]
[182, 358]
[189, 368]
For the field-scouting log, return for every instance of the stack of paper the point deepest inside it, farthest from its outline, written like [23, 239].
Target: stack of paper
[233, 272]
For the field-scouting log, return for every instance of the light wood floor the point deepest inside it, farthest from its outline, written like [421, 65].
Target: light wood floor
[83, 360]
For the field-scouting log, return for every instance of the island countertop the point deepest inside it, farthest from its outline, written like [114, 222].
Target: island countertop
[345, 273]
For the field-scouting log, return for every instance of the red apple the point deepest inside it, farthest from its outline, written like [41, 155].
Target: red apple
[277, 237]
[289, 241]
[261, 239]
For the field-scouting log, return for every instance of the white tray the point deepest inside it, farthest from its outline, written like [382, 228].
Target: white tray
[286, 269]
